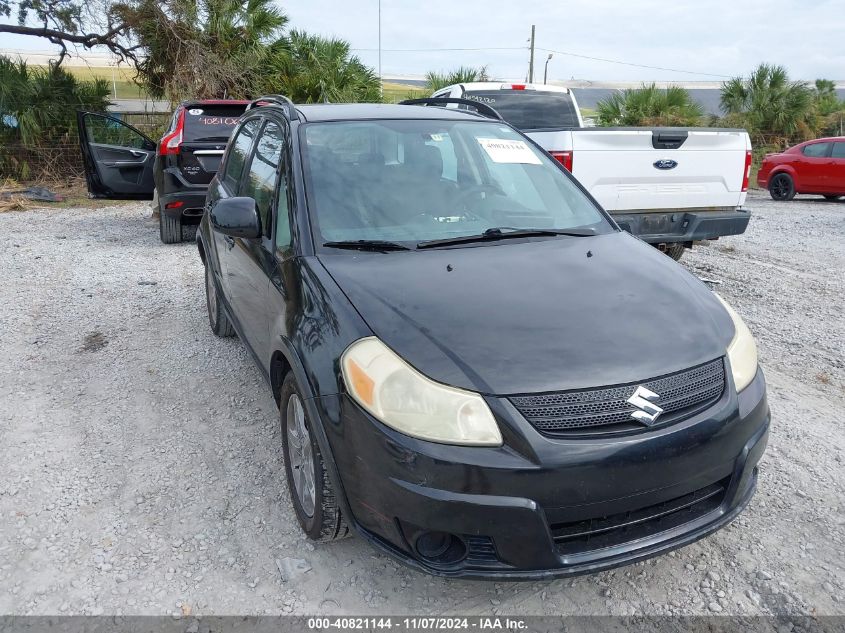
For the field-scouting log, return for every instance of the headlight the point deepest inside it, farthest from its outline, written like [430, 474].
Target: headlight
[404, 399]
[742, 351]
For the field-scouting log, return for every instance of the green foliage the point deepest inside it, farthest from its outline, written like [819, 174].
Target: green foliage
[771, 107]
[649, 106]
[237, 49]
[38, 103]
[38, 111]
[830, 110]
[434, 81]
[202, 48]
[312, 69]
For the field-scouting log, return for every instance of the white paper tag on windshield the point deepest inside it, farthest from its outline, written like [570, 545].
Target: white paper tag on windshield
[508, 151]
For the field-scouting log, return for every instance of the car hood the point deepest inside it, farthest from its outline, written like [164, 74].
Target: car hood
[537, 315]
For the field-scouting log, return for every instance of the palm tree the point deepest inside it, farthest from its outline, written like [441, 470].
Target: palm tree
[38, 117]
[202, 48]
[768, 104]
[313, 69]
[434, 80]
[649, 105]
[830, 110]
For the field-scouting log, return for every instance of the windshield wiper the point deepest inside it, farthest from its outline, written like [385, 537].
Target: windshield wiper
[502, 233]
[367, 245]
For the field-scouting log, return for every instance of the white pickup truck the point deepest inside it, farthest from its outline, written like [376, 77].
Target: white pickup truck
[671, 187]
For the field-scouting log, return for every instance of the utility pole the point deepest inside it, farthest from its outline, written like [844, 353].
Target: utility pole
[531, 60]
[380, 80]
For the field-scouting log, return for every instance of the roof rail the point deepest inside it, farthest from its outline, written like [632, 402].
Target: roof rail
[281, 100]
[480, 108]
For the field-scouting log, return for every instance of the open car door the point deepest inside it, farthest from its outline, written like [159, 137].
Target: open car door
[118, 158]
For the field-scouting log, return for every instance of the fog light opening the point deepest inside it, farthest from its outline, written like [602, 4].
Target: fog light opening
[440, 548]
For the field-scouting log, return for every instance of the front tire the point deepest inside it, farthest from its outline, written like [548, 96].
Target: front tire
[217, 319]
[170, 229]
[310, 490]
[782, 188]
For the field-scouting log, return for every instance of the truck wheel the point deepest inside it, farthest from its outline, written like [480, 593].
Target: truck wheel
[217, 318]
[170, 229]
[310, 490]
[675, 251]
[782, 188]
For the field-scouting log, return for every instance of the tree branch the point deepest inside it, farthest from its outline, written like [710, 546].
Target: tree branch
[88, 40]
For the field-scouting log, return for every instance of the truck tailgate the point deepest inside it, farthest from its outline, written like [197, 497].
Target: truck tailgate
[701, 168]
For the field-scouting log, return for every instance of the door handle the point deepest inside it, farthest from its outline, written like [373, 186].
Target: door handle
[230, 241]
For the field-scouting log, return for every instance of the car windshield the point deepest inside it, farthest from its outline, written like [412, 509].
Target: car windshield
[211, 122]
[411, 181]
[529, 109]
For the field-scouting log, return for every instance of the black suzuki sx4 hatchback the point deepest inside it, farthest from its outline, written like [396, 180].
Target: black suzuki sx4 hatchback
[476, 370]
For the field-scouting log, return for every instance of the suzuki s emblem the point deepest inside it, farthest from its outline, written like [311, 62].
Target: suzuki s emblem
[665, 163]
[647, 412]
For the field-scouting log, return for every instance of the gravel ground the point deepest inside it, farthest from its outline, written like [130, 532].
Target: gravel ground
[140, 466]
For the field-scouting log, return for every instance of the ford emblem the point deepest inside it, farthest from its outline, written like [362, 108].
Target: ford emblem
[665, 163]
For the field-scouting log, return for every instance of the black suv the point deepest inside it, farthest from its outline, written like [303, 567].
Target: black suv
[476, 369]
[122, 162]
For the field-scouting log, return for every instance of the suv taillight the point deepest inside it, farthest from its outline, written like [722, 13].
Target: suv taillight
[747, 174]
[564, 158]
[170, 143]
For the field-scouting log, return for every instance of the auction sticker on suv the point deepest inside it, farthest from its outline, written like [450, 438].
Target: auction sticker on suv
[508, 151]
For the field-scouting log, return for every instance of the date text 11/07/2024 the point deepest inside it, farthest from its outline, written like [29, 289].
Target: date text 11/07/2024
[417, 623]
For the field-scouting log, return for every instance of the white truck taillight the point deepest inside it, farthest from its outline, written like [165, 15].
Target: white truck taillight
[747, 174]
[565, 159]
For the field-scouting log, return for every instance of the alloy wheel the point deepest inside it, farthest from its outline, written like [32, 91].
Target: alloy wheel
[300, 455]
[780, 187]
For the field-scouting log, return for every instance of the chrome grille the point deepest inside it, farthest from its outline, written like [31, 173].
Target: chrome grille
[606, 410]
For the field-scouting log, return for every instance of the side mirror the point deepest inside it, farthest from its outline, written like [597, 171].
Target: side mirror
[236, 217]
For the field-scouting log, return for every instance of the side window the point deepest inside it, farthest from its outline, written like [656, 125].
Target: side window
[238, 152]
[261, 177]
[106, 130]
[282, 210]
[838, 150]
[816, 150]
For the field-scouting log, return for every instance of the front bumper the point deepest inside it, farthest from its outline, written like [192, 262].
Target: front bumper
[516, 507]
[683, 226]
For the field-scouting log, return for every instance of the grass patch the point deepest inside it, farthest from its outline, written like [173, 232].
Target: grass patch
[394, 92]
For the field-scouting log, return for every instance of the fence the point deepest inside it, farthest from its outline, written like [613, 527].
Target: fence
[56, 156]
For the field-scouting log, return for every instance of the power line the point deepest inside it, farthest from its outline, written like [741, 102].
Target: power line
[547, 50]
[426, 50]
[616, 61]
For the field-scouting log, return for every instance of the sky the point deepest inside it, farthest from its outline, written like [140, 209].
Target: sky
[663, 40]
[717, 38]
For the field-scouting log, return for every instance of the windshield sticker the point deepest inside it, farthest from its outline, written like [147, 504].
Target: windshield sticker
[507, 151]
[195, 111]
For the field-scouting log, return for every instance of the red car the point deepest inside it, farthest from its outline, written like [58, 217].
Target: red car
[811, 167]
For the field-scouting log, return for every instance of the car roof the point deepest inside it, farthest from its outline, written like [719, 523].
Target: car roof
[192, 102]
[828, 139]
[507, 85]
[376, 111]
